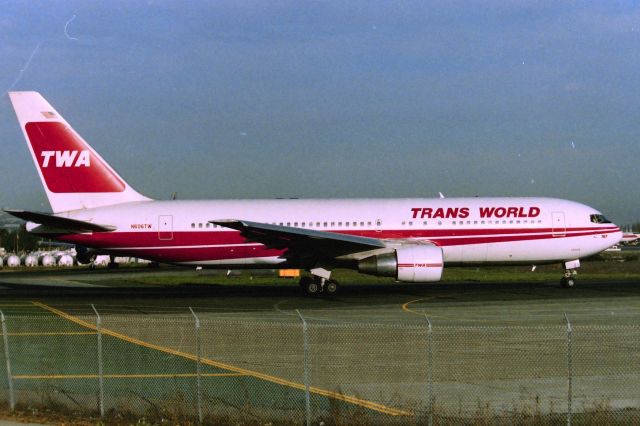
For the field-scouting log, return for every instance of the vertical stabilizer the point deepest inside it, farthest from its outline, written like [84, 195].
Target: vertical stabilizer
[74, 176]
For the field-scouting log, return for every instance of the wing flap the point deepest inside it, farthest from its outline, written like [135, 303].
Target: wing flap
[301, 240]
[61, 223]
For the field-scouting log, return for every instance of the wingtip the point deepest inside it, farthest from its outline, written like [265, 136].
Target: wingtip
[13, 212]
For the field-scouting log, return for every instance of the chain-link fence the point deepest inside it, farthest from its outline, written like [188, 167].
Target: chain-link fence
[211, 369]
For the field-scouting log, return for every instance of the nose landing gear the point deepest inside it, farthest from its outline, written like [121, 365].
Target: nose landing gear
[569, 280]
[570, 273]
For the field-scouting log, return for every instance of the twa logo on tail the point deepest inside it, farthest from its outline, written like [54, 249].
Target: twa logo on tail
[67, 158]
[66, 162]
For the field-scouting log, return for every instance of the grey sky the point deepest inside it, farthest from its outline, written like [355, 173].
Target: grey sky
[336, 99]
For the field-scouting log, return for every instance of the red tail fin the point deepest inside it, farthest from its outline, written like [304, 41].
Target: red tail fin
[73, 174]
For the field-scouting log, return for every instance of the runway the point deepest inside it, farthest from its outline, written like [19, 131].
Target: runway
[370, 349]
[458, 303]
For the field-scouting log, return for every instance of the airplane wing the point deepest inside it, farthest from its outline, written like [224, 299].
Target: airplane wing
[60, 223]
[299, 241]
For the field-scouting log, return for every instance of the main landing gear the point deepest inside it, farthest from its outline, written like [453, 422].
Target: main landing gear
[319, 282]
[112, 263]
[570, 273]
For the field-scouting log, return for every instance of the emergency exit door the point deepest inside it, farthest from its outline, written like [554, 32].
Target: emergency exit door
[165, 227]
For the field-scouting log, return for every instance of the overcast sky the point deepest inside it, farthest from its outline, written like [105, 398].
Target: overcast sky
[262, 99]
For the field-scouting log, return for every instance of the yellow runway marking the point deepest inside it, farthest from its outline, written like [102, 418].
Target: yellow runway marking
[17, 306]
[405, 307]
[54, 333]
[273, 379]
[123, 376]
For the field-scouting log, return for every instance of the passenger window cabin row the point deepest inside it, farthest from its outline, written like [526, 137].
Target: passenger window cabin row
[362, 224]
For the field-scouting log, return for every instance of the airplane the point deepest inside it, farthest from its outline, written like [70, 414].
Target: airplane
[629, 237]
[409, 239]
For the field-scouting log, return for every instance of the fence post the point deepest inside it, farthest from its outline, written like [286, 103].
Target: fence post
[569, 370]
[5, 337]
[100, 367]
[429, 368]
[198, 365]
[307, 395]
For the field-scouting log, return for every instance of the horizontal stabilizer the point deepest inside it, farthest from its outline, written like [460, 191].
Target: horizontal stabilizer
[57, 222]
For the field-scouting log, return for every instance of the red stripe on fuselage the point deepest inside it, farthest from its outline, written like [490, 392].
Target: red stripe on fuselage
[190, 238]
[419, 265]
[187, 246]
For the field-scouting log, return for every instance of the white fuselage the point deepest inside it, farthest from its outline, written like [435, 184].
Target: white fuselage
[469, 230]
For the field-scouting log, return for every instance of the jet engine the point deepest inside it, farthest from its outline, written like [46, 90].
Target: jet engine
[414, 264]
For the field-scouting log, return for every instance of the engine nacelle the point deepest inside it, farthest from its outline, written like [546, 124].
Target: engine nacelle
[414, 264]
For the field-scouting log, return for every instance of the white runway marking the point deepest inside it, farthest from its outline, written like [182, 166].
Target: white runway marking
[277, 307]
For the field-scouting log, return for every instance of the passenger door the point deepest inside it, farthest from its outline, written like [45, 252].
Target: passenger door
[165, 227]
[558, 226]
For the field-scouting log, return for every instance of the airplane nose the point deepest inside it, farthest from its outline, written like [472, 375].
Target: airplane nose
[617, 236]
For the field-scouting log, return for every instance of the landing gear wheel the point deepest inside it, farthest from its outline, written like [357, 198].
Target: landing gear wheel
[331, 287]
[312, 287]
[568, 282]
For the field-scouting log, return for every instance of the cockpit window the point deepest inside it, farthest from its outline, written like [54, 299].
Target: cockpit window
[599, 218]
